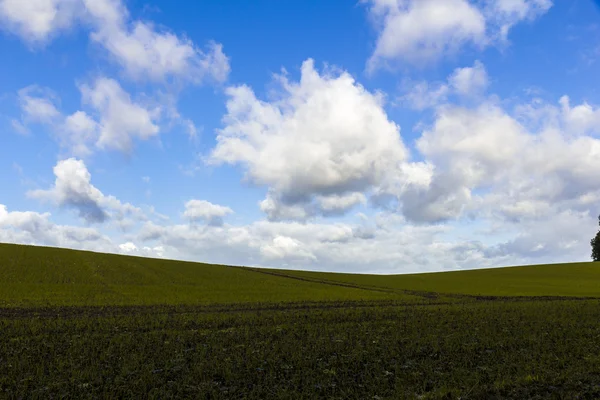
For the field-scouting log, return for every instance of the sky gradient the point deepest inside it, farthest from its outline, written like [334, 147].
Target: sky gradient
[373, 136]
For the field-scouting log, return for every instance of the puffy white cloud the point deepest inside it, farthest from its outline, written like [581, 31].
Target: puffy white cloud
[139, 47]
[114, 121]
[390, 247]
[34, 228]
[146, 53]
[469, 81]
[484, 161]
[73, 189]
[385, 243]
[120, 119]
[202, 210]
[130, 248]
[422, 31]
[321, 143]
[582, 119]
[283, 247]
[418, 31]
[37, 20]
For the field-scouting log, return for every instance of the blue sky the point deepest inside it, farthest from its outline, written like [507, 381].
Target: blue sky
[382, 136]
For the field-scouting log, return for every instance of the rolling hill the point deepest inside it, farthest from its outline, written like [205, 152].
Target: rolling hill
[44, 276]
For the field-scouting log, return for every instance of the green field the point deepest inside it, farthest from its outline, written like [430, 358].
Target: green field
[572, 279]
[43, 276]
[87, 325]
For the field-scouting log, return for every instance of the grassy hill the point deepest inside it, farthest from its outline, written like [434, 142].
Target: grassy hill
[325, 344]
[570, 279]
[43, 276]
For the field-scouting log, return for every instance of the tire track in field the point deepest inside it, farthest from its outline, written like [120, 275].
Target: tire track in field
[424, 294]
[428, 295]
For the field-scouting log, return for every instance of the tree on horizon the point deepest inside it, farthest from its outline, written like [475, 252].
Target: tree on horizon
[595, 242]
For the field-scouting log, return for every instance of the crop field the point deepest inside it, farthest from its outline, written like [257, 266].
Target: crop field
[87, 325]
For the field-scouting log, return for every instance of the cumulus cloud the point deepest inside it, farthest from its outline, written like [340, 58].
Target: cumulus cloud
[390, 246]
[418, 31]
[283, 247]
[129, 248]
[202, 210]
[384, 243]
[484, 161]
[321, 143]
[143, 50]
[422, 31]
[582, 119]
[469, 81]
[30, 227]
[120, 119]
[37, 20]
[73, 189]
[114, 120]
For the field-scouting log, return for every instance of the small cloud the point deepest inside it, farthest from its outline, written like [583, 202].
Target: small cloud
[202, 210]
[73, 189]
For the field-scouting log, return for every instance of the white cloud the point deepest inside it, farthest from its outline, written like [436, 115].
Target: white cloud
[419, 31]
[385, 243]
[37, 20]
[202, 210]
[38, 105]
[283, 247]
[582, 119]
[73, 189]
[144, 52]
[325, 140]
[469, 81]
[121, 120]
[77, 132]
[503, 14]
[129, 248]
[422, 95]
[34, 228]
[114, 121]
[390, 247]
[423, 31]
[483, 161]
[139, 47]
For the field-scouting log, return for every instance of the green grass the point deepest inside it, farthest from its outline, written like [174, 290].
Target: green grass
[77, 324]
[42, 276]
[571, 279]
